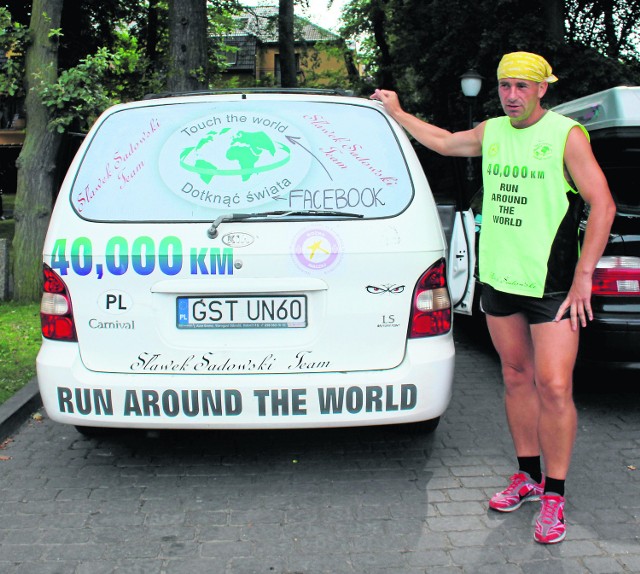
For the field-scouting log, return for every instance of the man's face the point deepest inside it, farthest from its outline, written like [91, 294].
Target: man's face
[520, 98]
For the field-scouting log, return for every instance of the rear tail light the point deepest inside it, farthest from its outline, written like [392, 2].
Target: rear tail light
[431, 305]
[617, 276]
[56, 315]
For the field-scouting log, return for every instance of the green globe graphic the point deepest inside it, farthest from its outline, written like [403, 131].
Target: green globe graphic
[247, 147]
[253, 152]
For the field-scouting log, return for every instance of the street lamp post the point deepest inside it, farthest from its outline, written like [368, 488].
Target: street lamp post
[471, 83]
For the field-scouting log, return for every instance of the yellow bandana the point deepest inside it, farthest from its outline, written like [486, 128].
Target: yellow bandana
[525, 66]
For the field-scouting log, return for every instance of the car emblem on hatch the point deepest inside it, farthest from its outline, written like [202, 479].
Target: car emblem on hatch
[237, 239]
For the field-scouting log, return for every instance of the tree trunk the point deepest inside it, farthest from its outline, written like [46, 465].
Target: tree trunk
[152, 33]
[350, 63]
[288, 71]
[188, 52]
[37, 160]
[379, 25]
[554, 15]
[612, 43]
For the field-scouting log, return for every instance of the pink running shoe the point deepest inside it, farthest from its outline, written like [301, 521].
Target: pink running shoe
[550, 526]
[522, 489]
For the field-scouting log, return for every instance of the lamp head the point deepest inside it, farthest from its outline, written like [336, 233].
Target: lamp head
[471, 82]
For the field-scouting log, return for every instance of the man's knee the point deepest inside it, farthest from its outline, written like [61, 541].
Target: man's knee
[556, 393]
[517, 376]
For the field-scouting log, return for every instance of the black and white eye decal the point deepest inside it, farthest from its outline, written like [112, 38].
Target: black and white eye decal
[393, 289]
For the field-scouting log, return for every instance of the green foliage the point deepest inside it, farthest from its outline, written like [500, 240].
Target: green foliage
[433, 42]
[220, 17]
[609, 26]
[121, 69]
[79, 95]
[55, 33]
[356, 26]
[105, 57]
[100, 80]
[311, 60]
[20, 341]
[90, 25]
[13, 43]
[267, 80]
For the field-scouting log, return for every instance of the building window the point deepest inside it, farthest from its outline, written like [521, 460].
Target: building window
[231, 56]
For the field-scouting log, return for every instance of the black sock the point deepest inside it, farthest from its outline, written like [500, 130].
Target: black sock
[554, 485]
[531, 465]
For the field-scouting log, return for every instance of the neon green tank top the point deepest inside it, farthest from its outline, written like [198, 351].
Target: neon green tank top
[530, 213]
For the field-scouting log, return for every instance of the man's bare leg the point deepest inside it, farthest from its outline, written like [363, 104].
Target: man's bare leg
[511, 337]
[556, 347]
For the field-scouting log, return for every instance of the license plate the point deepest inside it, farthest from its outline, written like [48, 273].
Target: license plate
[242, 312]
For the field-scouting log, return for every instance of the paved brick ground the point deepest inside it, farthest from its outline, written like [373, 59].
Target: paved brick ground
[363, 501]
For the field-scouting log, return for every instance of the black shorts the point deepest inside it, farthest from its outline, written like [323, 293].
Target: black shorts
[536, 310]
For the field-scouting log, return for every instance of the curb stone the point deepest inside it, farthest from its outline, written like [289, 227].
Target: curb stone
[15, 411]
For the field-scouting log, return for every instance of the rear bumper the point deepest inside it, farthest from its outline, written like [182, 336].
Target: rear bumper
[418, 389]
[611, 340]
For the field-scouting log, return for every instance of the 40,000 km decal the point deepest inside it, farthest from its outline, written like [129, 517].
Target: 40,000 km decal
[142, 256]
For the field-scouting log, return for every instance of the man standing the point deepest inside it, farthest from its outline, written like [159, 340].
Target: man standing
[536, 283]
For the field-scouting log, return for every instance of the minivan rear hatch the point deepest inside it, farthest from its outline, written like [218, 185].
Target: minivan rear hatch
[243, 234]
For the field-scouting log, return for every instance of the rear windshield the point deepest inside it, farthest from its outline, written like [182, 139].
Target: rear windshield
[197, 161]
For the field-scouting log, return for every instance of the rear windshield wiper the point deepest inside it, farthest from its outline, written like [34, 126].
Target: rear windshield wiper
[213, 230]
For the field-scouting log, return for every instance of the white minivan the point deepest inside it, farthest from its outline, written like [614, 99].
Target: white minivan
[245, 260]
